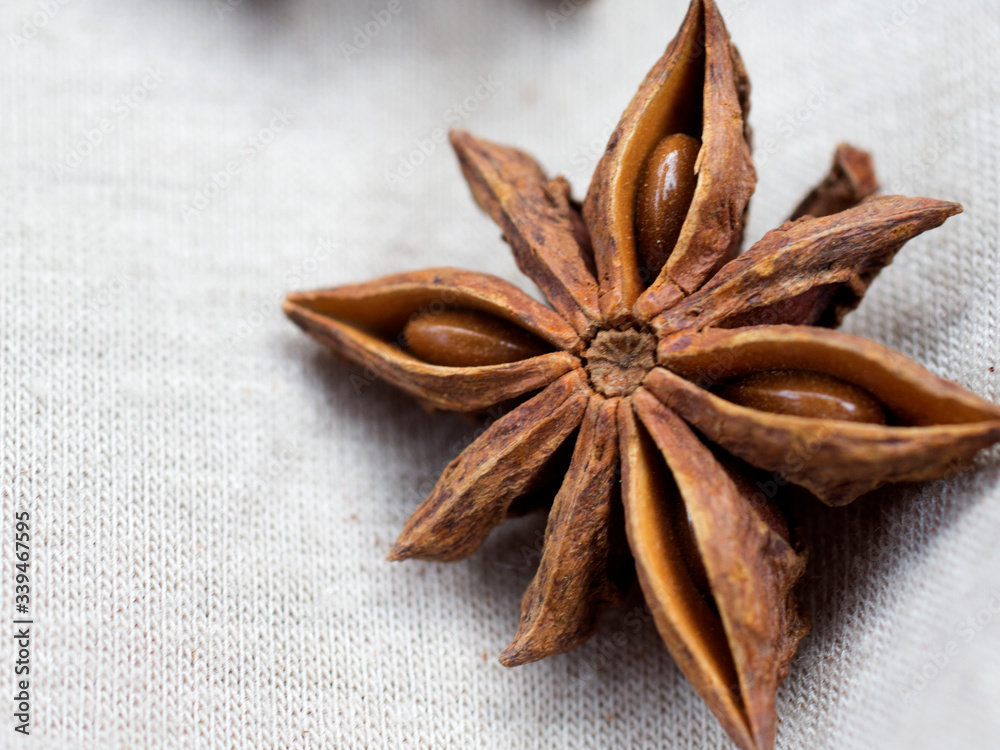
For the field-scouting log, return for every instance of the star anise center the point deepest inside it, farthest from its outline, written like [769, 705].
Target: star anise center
[617, 361]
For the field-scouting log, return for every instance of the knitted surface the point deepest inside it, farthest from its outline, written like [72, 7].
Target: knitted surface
[212, 496]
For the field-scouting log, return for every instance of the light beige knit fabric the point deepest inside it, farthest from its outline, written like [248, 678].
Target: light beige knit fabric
[213, 497]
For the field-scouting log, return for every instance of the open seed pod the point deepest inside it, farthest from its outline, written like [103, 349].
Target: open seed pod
[716, 570]
[678, 98]
[921, 426]
[457, 340]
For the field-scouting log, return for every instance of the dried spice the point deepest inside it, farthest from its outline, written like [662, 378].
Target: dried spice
[669, 357]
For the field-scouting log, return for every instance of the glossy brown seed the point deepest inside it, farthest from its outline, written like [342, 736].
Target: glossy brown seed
[666, 187]
[467, 338]
[801, 393]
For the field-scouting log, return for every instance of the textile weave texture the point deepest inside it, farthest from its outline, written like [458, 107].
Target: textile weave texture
[213, 496]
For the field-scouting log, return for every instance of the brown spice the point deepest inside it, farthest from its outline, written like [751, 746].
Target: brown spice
[667, 357]
[666, 187]
[465, 338]
[802, 393]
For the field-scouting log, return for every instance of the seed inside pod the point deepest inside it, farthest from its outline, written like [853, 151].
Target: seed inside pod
[802, 393]
[468, 338]
[666, 188]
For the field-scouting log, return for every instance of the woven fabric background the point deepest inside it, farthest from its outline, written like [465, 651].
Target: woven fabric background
[213, 497]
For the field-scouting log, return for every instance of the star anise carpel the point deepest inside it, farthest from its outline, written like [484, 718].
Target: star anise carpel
[665, 373]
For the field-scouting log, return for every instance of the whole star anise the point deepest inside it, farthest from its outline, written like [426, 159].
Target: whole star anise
[663, 354]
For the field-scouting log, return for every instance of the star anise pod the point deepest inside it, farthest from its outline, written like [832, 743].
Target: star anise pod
[667, 356]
